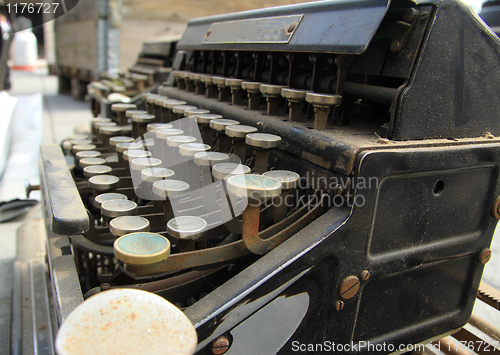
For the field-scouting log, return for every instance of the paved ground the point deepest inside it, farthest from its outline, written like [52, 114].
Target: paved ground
[44, 116]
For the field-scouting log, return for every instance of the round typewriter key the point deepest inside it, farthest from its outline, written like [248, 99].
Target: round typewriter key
[169, 188]
[140, 122]
[176, 141]
[113, 141]
[138, 164]
[122, 107]
[323, 99]
[78, 136]
[263, 143]
[254, 95]
[262, 140]
[187, 227]
[203, 120]
[118, 88]
[223, 141]
[155, 126]
[218, 80]
[234, 83]
[154, 174]
[192, 171]
[104, 123]
[194, 76]
[141, 248]
[210, 87]
[255, 187]
[91, 161]
[99, 119]
[122, 147]
[103, 182]
[165, 133]
[206, 118]
[223, 88]
[82, 147]
[196, 111]
[66, 145]
[131, 113]
[288, 179]
[108, 132]
[295, 102]
[164, 190]
[322, 104]
[221, 124]
[151, 98]
[236, 92]
[271, 89]
[293, 94]
[128, 224]
[239, 131]
[250, 86]
[126, 321]
[210, 158]
[225, 170]
[109, 196]
[131, 154]
[94, 170]
[87, 154]
[181, 109]
[118, 208]
[80, 141]
[126, 130]
[273, 98]
[159, 100]
[142, 118]
[190, 149]
[207, 78]
[170, 104]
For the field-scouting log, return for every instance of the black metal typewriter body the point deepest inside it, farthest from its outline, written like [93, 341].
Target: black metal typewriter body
[394, 135]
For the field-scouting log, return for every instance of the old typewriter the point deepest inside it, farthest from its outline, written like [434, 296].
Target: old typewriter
[313, 174]
[151, 68]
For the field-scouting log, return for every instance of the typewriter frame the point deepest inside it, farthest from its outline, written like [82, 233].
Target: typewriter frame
[433, 168]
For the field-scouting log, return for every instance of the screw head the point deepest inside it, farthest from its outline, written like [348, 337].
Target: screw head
[484, 256]
[220, 345]
[365, 275]
[395, 46]
[349, 287]
[291, 28]
[339, 305]
[496, 208]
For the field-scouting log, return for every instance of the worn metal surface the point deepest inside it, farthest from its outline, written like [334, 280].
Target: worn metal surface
[279, 29]
[355, 23]
[67, 214]
[455, 64]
